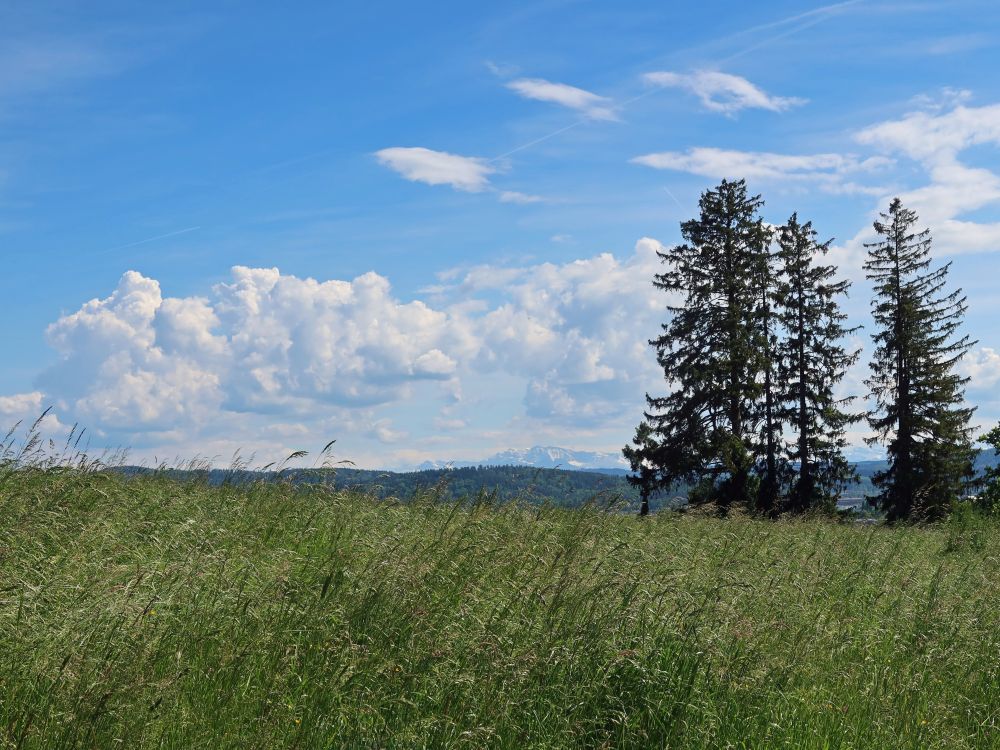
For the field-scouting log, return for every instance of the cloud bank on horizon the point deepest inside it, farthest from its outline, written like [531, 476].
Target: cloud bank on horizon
[274, 354]
[535, 324]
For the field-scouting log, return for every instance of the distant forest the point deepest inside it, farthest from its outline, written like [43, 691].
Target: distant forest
[506, 483]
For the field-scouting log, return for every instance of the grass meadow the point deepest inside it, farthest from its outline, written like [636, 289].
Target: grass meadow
[149, 613]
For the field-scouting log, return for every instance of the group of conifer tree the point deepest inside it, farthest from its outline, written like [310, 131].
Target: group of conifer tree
[754, 352]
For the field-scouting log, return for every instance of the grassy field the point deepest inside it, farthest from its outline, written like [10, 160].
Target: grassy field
[149, 613]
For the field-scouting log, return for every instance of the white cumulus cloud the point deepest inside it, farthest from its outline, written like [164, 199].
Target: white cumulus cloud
[935, 139]
[576, 331]
[262, 343]
[266, 357]
[417, 164]
[21, 406]
[983, 367]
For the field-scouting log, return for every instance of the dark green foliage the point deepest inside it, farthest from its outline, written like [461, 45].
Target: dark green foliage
[989, 492]
[524, 484]
[812, 362]
[712, 352]
[570, 489]
[753, 353]
[772, 467]
[919, 397]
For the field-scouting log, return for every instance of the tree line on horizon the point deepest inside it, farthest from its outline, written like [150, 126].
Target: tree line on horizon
[753, 353]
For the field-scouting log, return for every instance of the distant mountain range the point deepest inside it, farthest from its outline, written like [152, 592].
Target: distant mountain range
[543, 457]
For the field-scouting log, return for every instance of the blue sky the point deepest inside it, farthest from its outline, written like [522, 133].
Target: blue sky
[428, 230]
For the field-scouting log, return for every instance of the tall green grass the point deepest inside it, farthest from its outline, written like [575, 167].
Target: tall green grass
[149, 613]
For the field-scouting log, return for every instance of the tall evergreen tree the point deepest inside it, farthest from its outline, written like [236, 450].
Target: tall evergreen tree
[813, 361]
[989, 491]
[772, 467]
[919, 397]
[710, 352]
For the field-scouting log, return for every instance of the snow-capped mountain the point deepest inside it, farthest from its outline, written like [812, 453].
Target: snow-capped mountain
[543, 457]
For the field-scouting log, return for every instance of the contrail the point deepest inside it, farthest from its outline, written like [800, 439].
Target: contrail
[674, 198]
[824, 11]
[791, 32]
[529, 144]
[148, 239]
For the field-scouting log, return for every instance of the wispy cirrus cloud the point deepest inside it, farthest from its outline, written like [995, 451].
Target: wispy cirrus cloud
[501, 69]
[945, 99]
[830, 170]
[723, 92]
[513, 196]
[960, 43]
[469, 174]
[587, 103]
[28, 66]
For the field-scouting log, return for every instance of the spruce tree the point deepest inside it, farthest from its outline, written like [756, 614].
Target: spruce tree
[813, 361]
[710, 352]
[919, 397]
[772, 468]
[989, 490]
